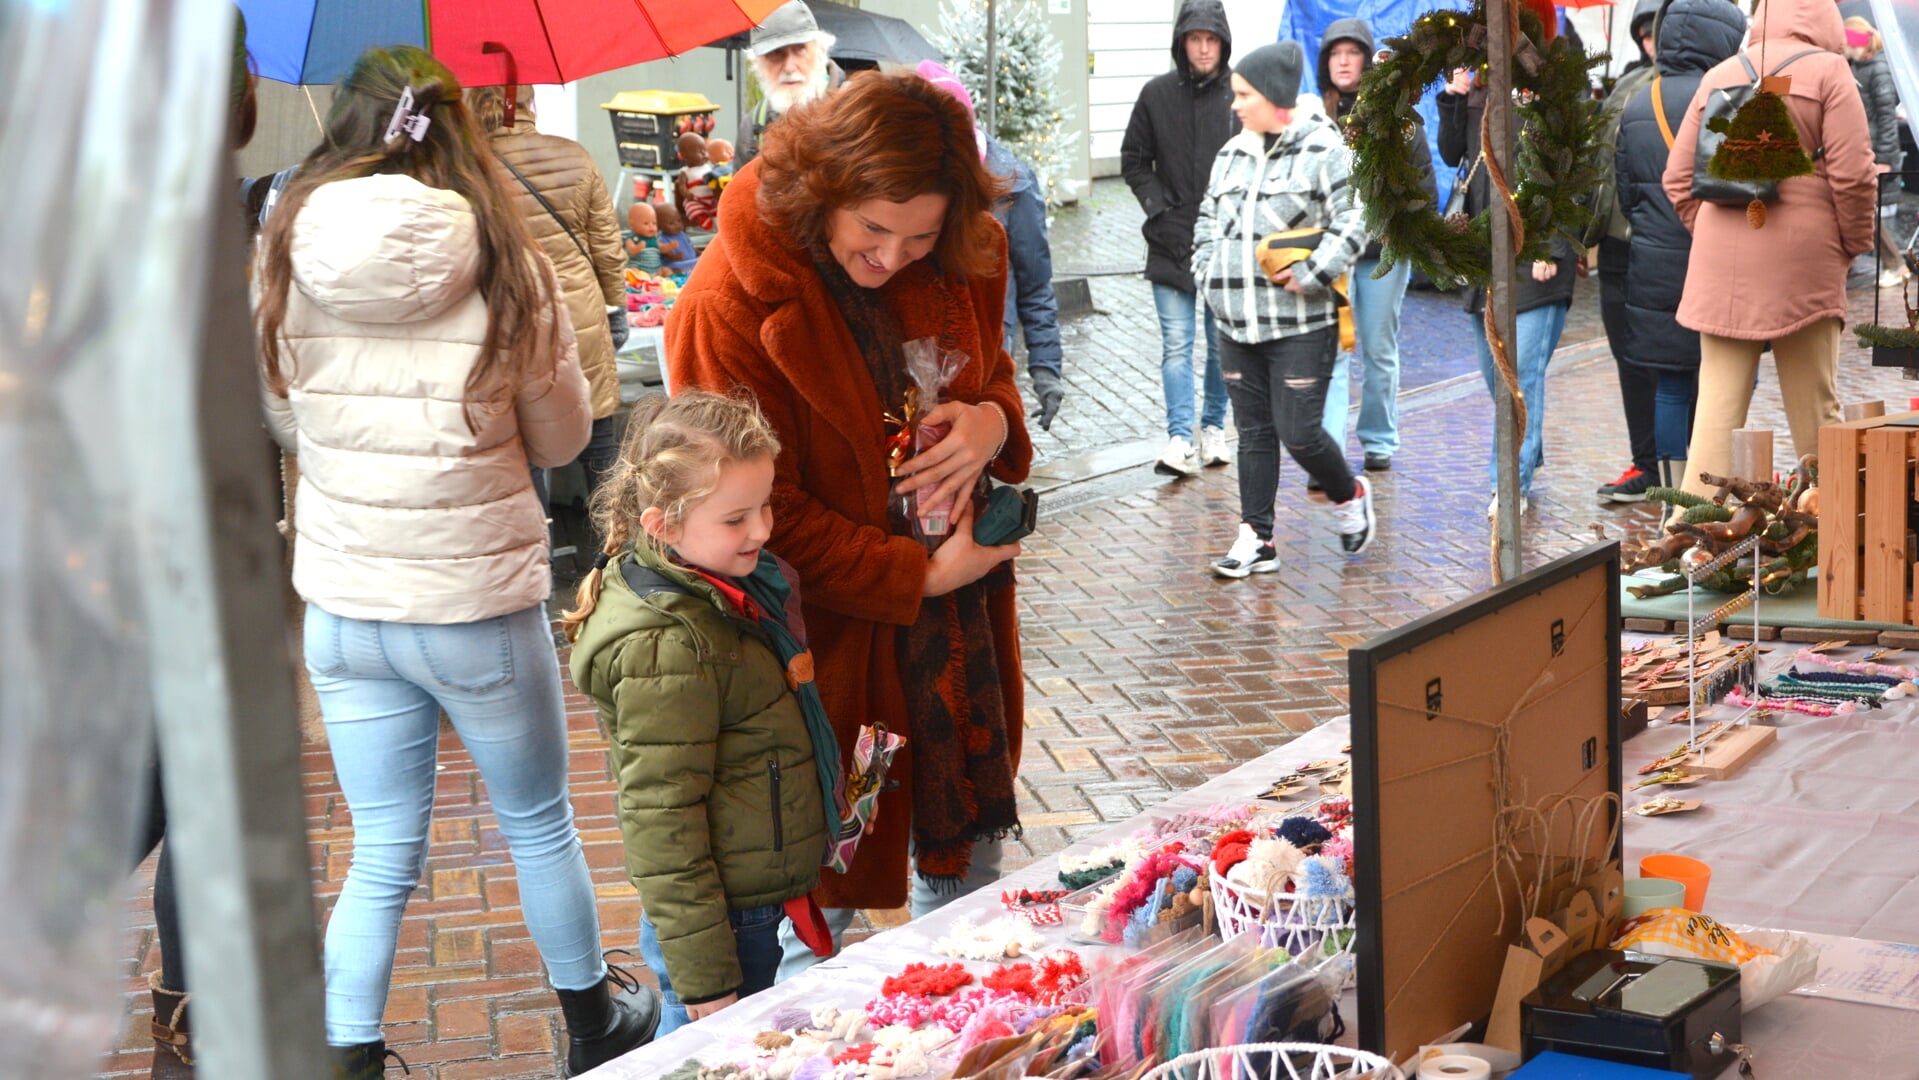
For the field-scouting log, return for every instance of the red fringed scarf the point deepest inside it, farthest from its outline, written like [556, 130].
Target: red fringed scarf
[962, 762]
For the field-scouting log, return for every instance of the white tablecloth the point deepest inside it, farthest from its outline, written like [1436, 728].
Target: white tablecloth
[1819, 834]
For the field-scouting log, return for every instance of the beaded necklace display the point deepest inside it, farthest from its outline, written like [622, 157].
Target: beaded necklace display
[1867, 690]
[1897, 675]
[1808, 706]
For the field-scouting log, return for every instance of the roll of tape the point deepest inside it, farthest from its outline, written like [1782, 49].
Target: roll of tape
[1454, 1067]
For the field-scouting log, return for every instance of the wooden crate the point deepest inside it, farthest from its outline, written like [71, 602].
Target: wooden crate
[1865, 493]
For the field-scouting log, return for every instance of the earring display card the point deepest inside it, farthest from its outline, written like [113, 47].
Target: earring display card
[1486, 787]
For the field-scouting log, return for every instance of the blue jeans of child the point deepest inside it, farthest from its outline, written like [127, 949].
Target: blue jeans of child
[922, 900]
[1178, 312]
[756, 938]
[1376, 304]
[1672, 412]
[1538, 333]
[381, 687]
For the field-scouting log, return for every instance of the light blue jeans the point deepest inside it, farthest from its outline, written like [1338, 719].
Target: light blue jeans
[1538, 332]
[1376, 306]
[1178, 312]
[381, 688]
[922, 900]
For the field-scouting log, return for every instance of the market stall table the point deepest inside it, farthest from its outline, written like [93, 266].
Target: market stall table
[1820, 835]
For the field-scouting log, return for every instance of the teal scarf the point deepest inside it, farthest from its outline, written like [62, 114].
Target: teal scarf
[770, 586]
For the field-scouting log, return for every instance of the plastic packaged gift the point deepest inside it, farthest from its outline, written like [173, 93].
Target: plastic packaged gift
[931, 369]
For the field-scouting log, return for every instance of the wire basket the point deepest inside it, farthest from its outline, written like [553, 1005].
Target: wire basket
[1303, 926]
[1277, 1061]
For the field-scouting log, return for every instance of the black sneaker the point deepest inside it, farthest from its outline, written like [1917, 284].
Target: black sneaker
[1631, 486]
[1249, 555]
[1354, 519]
[1379, 462]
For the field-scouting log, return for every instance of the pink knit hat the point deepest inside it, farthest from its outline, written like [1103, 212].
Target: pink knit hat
[939, 75]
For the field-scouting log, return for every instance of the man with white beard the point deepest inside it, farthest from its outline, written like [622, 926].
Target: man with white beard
[790, 62]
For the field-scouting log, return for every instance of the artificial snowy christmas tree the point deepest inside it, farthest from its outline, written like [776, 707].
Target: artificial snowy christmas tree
[1029, 118]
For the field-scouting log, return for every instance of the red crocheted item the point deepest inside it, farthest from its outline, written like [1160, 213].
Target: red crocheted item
[856, 1055]
[922, 980]
[1231, 850]
[1015, 977]
[1060, 973]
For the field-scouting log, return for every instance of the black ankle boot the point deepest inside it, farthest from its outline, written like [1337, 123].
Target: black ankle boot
[366, 1061]
[602, 1025]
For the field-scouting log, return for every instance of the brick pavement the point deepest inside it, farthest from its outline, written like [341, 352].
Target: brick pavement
[1145, 676]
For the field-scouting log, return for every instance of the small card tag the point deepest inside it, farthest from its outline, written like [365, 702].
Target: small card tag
[1663, 806]
[1776, 84]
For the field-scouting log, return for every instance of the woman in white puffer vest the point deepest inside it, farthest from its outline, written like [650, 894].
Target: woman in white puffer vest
[417, 356]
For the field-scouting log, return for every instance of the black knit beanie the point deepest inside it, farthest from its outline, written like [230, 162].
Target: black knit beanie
[1274, 71]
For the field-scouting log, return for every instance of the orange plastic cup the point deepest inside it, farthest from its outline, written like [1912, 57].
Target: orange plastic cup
[1691, 873]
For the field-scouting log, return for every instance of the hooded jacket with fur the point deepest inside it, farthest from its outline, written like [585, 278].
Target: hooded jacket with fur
[1178, 125]
[407, 513]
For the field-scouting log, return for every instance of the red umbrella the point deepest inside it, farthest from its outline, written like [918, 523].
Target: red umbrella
[488, 42]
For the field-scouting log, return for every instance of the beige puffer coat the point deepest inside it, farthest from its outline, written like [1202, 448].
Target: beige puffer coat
[564, 172]
[405, 514]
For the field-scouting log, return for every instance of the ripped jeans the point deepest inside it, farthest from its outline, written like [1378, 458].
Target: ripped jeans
[1279, 393]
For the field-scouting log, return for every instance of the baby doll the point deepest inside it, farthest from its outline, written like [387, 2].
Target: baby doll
[696, 186]
[675, 247]
[720, 152]
[643, 239]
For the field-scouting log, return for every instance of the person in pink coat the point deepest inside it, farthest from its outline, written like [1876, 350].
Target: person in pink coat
[1784, 283]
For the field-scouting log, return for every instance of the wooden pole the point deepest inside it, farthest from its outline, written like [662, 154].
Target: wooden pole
[992, 68]
[1499, 291]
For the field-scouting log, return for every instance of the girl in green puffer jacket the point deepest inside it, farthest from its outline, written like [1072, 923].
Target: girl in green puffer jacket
[722, 805]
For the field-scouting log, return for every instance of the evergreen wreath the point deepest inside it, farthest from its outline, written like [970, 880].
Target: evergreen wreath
[1559, 159]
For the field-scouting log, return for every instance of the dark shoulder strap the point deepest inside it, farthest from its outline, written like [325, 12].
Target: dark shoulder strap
[644, 580]
[549, 208]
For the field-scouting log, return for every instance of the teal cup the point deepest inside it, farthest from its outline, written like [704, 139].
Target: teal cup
[1644, 894]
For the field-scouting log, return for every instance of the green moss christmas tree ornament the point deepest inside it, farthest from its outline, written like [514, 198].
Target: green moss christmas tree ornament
[1761, 142]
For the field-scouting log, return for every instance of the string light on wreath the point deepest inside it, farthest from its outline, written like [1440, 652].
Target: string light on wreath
[1559, 159]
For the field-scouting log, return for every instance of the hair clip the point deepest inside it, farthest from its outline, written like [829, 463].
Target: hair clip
[406, 121]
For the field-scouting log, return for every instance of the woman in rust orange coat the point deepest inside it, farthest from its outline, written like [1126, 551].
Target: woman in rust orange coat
[866, 223]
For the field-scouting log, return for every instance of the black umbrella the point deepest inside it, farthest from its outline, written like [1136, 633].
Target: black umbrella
[861, 36]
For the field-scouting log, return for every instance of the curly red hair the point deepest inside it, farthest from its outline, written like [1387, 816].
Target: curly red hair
[891, 137]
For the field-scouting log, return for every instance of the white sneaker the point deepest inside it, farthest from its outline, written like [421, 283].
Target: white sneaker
[1248, 555]
[1178, 458]
[1354, 519]
[1889, 279]
[1492, 507]
[1212, 447]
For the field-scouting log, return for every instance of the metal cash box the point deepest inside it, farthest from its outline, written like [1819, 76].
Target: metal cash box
[1652, 1011]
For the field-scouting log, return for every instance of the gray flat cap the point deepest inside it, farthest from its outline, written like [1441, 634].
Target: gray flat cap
[790, 24]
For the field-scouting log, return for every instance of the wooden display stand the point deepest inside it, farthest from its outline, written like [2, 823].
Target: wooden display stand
[1865, 494]
[1729, 753]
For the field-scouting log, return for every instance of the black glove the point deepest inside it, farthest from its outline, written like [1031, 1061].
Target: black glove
[616, 325]
[1050, 392]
